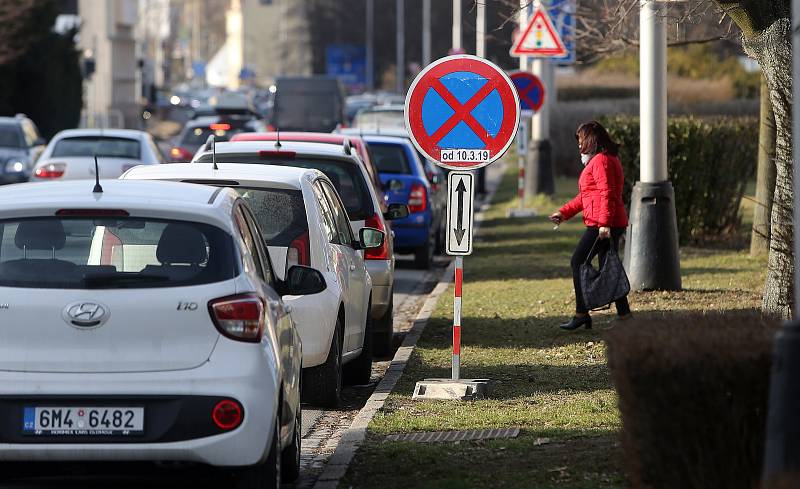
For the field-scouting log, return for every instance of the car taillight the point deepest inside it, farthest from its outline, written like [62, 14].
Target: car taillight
[179, 154]
[220, 127]
[381, 253]
[51, 170]
[227, 415]
[299, 252]
[239, 317]
[270, 128]
[417, 198]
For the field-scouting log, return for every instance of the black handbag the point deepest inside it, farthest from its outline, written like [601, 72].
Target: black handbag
[608, 284]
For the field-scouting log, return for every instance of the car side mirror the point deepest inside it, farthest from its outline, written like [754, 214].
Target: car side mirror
[394, 185]
[396, 211]
[301, 280]
[435, 178]
[369, 238]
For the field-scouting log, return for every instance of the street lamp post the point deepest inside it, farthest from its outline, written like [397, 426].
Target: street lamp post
[651, 251]
[401, 42]
[426, 33]
[456, 26]
[370, 45]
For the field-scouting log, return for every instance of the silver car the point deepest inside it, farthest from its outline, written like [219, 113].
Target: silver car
[20, 147]
[351, 180]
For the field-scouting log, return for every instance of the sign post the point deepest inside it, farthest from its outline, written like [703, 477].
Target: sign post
[462, 112]
[531, 92]
[460, 206]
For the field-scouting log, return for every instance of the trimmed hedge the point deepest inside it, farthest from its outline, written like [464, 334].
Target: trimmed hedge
[710, 163]
[693, 392]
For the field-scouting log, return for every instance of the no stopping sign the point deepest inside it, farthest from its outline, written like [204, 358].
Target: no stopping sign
[462, 112]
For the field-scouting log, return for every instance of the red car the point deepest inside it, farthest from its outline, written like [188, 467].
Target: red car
[324, 137]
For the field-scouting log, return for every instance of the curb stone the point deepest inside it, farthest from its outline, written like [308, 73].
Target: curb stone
[351, 440]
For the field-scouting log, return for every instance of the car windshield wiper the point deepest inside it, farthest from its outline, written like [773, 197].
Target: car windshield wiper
[91, 280]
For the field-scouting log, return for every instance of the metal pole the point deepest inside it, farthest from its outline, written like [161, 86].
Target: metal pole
[459, 275]
[456, 25]
[480, 29]
[370, 45]
[653, 111]
[522, 133]
[401, 44]
[426, 32]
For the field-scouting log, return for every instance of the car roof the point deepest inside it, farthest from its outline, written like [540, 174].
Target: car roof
[302, 149]
[385, 108]
[273, 176]
[140, 198]
[374, 138]
[311, 137]
[116, 133]
[375, 131]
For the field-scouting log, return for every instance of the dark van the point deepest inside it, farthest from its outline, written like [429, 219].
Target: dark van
[308, 103]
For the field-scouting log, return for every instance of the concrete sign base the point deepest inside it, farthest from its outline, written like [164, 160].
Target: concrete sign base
[449, 389]
[516, 212]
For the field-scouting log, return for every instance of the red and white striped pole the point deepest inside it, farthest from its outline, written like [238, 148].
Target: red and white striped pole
[522, 132]
[457, 318]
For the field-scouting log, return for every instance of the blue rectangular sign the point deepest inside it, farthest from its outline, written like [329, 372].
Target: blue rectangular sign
[347, 62]
[562, 13]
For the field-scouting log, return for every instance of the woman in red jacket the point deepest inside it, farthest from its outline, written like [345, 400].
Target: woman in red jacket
[600, 199]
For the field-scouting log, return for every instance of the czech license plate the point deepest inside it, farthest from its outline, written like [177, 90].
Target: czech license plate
[465, 155]
[83, 421]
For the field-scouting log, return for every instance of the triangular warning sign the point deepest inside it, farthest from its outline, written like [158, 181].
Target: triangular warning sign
[539, 39]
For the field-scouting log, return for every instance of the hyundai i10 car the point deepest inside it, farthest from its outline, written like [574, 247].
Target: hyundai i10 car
[142, 321]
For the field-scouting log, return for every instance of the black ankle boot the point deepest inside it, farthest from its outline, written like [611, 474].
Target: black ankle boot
[577, 322]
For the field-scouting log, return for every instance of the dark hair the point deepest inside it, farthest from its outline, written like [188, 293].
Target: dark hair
[595, 139]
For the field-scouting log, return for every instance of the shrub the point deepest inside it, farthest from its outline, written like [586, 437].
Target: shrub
[693, 392]
[710, 162]
[696, 61]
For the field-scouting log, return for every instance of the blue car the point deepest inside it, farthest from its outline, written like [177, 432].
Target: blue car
[409, 179]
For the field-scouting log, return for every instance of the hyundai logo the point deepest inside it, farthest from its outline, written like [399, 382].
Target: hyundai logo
[86, 314]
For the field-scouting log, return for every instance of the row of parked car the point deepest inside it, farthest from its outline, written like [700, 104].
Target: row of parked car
[184, 310]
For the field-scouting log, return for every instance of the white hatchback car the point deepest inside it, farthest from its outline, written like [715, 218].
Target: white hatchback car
[143, 323]
[70, 154]
[304, 222]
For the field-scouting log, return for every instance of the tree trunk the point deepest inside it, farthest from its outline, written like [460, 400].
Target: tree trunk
[772, 48]
[765, 182]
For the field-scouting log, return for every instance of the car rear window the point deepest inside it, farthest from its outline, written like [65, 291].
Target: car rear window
[10, 136]
[346, 177]
[377, 119]
[197, 136]
[390, 158]
[113, 253]
[112, 147]
[281, 214]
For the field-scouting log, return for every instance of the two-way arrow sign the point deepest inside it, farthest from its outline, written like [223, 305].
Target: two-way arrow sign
[461, 198]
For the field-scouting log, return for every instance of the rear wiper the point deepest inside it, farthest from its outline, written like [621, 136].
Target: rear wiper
[91, 280]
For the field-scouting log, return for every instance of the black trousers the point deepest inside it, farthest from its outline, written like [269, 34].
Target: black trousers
[579, 257]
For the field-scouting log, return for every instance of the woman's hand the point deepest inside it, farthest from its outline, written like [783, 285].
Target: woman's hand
[556, 217]
[604, 232]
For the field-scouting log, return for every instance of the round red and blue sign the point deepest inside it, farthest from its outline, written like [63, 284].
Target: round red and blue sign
[530, 90]
[462, 112]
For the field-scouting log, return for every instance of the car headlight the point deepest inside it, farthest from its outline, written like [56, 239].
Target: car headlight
[14, 166]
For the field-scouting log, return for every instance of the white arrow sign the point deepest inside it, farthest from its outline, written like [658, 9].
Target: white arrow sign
[460, 200]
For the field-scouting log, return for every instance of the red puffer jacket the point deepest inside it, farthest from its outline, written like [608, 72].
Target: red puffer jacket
[599, 194]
